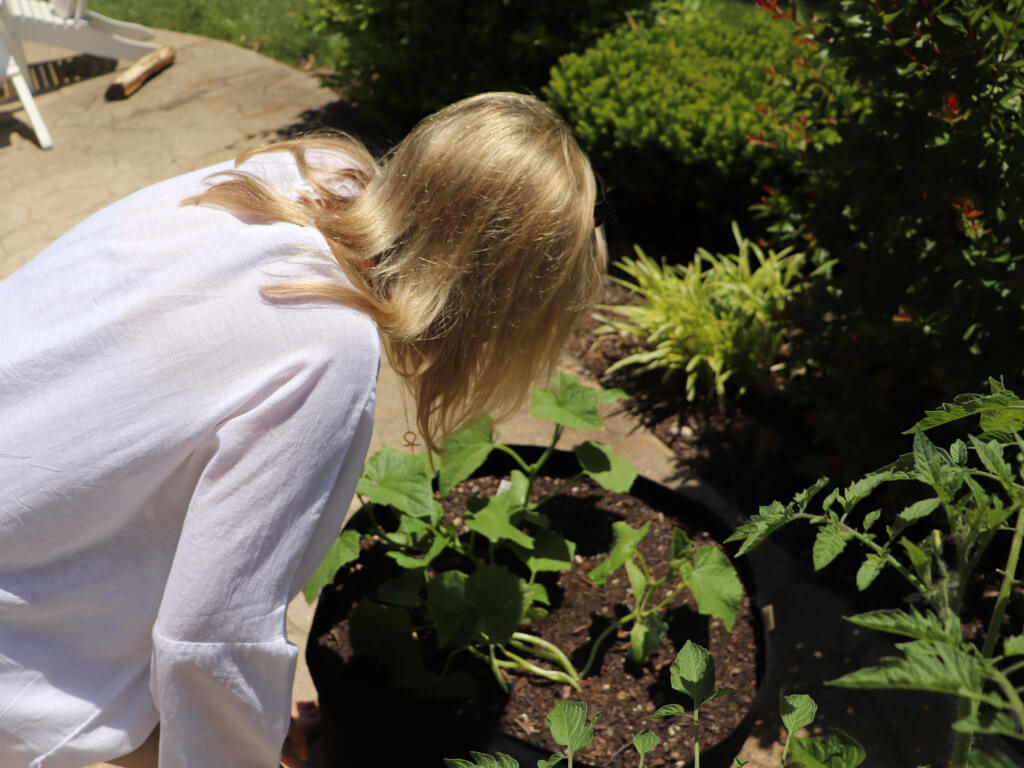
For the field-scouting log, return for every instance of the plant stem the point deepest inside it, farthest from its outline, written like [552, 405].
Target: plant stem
[1016, 705]
[534, 469]
[518, 459]
[1012, 560]
[533, 669]
[600, 640]
[548, 651]
[968, 707]
[890, 560]
[493, 663]
[565, 484]
[696, 738]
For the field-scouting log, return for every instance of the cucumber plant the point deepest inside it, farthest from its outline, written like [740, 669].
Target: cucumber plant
[469, 584]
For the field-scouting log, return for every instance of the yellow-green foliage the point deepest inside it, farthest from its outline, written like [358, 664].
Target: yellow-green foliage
[716, 319]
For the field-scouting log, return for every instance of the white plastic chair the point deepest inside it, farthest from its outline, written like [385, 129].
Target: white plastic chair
[63, 24]
[70, 24]
[14, 68]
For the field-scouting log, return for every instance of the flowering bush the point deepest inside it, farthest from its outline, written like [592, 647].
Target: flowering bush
[916, 205]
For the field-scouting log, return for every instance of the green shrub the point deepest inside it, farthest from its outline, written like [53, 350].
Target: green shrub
[716, 320]
[670, 111]
[407, 58]
[920, 207]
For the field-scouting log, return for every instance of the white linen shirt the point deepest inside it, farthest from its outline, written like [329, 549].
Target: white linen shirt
[177, 453]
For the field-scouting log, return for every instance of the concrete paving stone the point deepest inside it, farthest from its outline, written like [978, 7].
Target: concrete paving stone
[20, 246]
[13, 214]
[74, 203]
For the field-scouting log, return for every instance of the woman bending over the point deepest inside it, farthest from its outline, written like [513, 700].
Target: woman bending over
[187, 383]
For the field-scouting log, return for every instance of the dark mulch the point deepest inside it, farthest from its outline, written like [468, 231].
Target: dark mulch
[752, 452]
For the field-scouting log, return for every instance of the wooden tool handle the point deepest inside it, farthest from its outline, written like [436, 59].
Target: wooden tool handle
[132, 78]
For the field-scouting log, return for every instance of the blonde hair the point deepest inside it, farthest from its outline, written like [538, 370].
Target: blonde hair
[472, 246]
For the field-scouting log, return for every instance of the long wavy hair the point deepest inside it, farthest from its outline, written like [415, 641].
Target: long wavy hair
[472, 245]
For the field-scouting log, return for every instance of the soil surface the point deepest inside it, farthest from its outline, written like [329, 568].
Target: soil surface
[625, 694]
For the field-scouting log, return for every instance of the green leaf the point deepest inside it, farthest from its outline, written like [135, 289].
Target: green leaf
[384, 633]
[437, 546]
[958, 452]
[803, 498]
[344, 550]
[600, 463]
[671, 710]
[998, 723]
[929, 462]
[534, 596]
[797, 711]
[860, 490]
[979, 759]
[403, 590]
[991, 455]
[924, 666]
[480, 760]
[551, 552]
[682, 546]
[1013, 645]
[625, 539]
[714, 583]
[906, 622]
[693, 673]
[493, 591]
[645, 741]
[829, 543]
[1010, 419]
[645, 637]
[762, 525]
[568, 725]
[836, 749]
[869, 570]
[551, 762]
[871, 518]
[919, 559]
[399, 480]
[494, 520]
[995, 406]
[901, 469]
[637, 581]
[454, 617]
[571, 404]
[916, 511]
[463, 454]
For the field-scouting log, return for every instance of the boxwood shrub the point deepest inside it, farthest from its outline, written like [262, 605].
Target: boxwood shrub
[673, 113]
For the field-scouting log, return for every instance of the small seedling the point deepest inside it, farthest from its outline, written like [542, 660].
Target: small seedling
[693, 673]
[705, 571]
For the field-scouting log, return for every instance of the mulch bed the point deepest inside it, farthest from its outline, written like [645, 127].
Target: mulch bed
[625, 694]
[752, 453]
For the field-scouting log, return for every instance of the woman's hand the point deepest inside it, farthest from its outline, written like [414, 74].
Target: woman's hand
[304, 726]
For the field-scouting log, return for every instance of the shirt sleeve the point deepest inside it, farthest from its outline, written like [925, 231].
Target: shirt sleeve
[222, 668]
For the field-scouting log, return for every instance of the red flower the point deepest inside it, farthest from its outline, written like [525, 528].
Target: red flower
[968, 210]
[951, 103]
